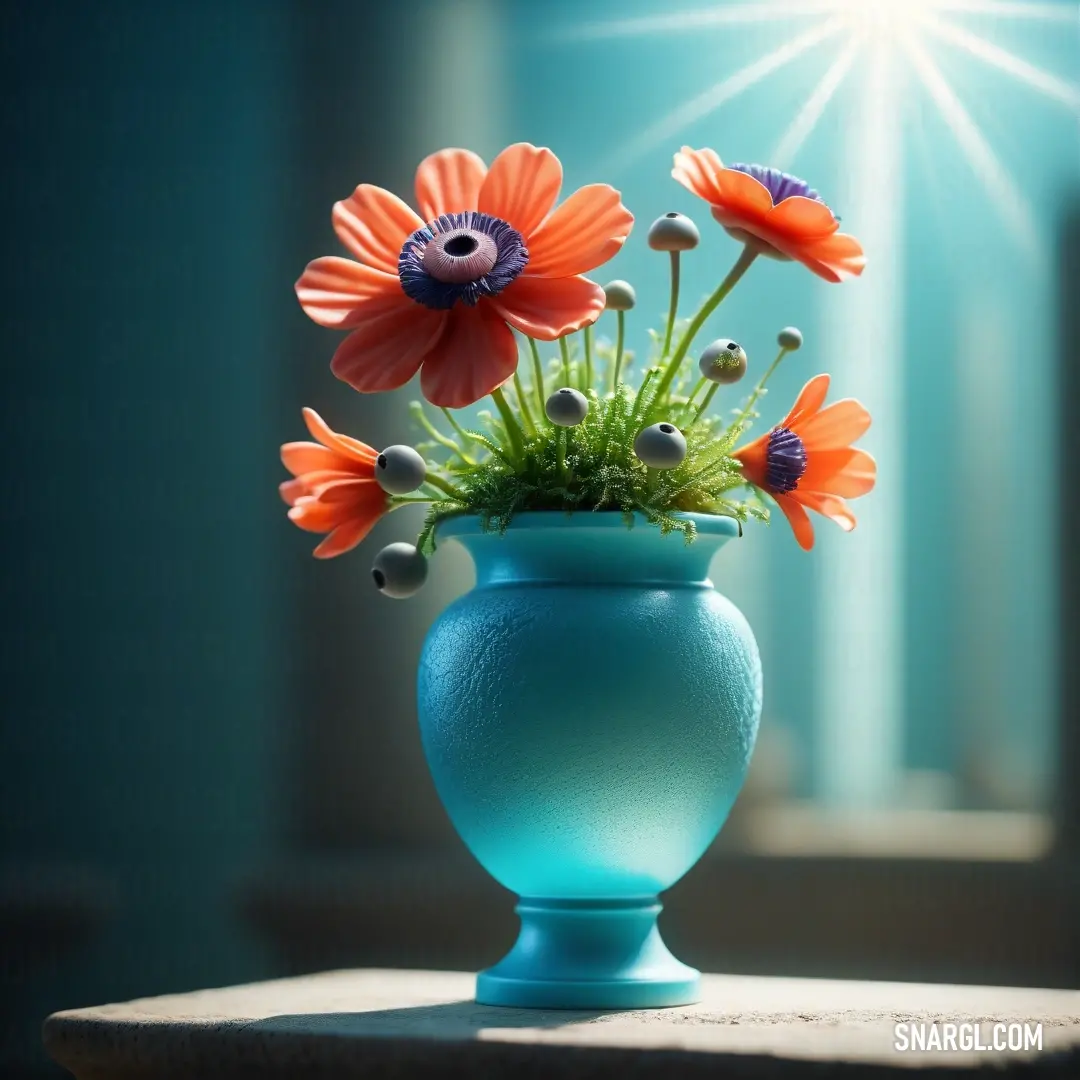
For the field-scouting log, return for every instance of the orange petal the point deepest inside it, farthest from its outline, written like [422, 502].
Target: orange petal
[754, 459]
[347, 490]
[834, 258]
[742, 195]
[448, 182]
[328, 484]
[475, 355]
[803, 219]
[521, 187]
[798, 519]
[848, 473]
[313, 515]
[386, 352]
[291, 490]
[340, 293]
[698, 172]
[548, 308]
[374, 224]
[305, 457]
[344, 538]
[835, 427]
[353, 450]
[811, 398]
[585, 231]
[830, 506]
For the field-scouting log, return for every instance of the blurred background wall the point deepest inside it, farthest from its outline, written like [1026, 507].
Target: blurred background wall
[209, 769]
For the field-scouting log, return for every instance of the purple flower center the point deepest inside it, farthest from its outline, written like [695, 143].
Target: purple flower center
[780, 185]
[785, 461]
[460, 257]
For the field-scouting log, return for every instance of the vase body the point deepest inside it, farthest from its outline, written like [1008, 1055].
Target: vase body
[588, 712]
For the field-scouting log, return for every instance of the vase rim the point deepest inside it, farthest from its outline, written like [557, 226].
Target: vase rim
[469, 524]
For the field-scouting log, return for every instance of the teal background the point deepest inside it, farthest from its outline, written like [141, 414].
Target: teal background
[188, 698]
[589, 99]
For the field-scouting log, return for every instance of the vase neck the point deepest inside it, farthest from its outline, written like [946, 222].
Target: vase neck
[582, 555]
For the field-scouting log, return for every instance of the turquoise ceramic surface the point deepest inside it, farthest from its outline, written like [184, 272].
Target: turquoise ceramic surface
[588, 712]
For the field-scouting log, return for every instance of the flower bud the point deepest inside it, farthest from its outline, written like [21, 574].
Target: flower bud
[673, 232]
[724, 361]
[789, 338]
[620, 295]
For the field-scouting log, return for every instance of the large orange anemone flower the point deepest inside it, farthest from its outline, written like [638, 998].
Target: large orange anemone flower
[438, 292]
[334, 490]
[808, 462]
[780, 214]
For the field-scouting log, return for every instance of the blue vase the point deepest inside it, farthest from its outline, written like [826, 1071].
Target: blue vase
[588, 712]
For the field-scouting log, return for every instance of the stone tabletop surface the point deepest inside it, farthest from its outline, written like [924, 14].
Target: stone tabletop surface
[423, 1024]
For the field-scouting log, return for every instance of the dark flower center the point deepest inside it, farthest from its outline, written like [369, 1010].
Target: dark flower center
[460, 257]
[780, 185]
[460, 245]
[785, 461]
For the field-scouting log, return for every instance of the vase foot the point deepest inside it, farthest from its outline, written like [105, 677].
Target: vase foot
[588, 954]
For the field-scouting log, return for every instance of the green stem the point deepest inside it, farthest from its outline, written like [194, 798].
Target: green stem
[697, 390]
[446, 486]
[705, 403]
[742, 264]
[758, 390]
[564, 348]
[652, 480]
[513, 428]
[619, 339]
[562, 452]
[538, 378]
[523, 404]
[400, 500]
[674, 304]
[588, 356]
[636, 411]
[438, 436]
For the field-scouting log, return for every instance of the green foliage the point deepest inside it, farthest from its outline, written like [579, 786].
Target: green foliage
[592, 466]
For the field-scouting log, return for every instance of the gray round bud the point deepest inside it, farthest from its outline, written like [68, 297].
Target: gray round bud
[789, 338]
[567, 407]
[399, 570]
[620, 295]
[724, 361]
[661, 446]
[400, 469]
[673, 232]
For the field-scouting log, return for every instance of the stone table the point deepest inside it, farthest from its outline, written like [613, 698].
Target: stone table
[423, 1024]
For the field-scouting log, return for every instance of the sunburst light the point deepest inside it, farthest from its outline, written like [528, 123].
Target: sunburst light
[896, 26]
[885, 49]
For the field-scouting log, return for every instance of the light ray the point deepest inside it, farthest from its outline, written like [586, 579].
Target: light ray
[766, 11]
[1004, 60]
[681, 21]
[1000, 186]
[1001, 9]
[803, 124]
[709, 101]
[858, 633]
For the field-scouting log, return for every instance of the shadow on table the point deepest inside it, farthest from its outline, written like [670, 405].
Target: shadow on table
[460, 1018]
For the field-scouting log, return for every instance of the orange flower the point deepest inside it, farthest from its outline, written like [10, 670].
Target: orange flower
[335, 490]
[808, 462]
[780, 213]
[438, 293]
